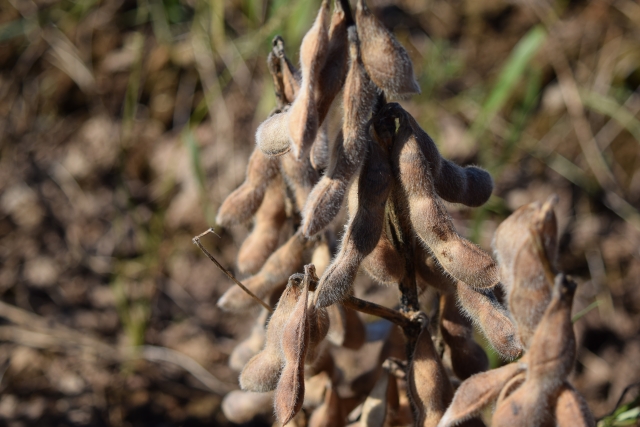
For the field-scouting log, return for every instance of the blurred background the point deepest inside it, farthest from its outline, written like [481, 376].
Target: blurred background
[124, 124]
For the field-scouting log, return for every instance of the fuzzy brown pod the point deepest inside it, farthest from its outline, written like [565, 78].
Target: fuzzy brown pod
[385, 264]
[276, 271]
[248, 348]
[571, 409]
[330, 413]
[243, 203]
[374, 409]
[551, 358]
[243, 406]
[469, 185]
[265, 235]
[477, 392]
[367, 200]
[303, 116]
[347, 329]
[272, 136]
[467, 357]
[526, 268]
[289, 394]
[300, 177]
[385, 59]
[429, 217]
[493, 320]
[334, 71]
[262, 372]
[320, 150]
[553, 347]
[349, 148]
[429, 272]
[275, 69]
[291, 77]
[427, 380]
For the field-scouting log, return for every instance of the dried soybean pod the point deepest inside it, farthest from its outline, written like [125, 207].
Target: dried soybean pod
[571, 409]
[330, 413]
[467, 357]
[470, 185]
[553, 347]
[303, 116]
[272, 136]
[243, 406]
[428, 384]
[367, 200]
[429, 272]
[385, 264]
[384, 58]
[291, 77]
[320, 150]
[263, 239]
[289, 394]
[430, 219]
[240, 205]
[275, 69]
[484, 309]
[248, 348]
[349, 148]
[300, 177]
[262, 372]
[551, 358]
[477, 392]
[276, 271]
[374, 409]
[326, 197]
[529, 269]
[334, 71]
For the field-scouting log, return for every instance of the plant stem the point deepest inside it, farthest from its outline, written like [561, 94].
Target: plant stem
[196, 240]
[374, 309]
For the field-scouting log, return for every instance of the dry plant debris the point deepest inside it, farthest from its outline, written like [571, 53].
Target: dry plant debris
[388, 173]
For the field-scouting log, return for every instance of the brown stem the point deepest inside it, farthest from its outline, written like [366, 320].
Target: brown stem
[394, 316]
[196, 240]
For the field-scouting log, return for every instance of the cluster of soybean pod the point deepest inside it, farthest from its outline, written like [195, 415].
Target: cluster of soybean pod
[390, 176]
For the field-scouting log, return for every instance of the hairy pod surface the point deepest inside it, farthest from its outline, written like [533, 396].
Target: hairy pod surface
[429, 217]
[571, 409]
[289, 394]
[493, 320]
[272, 136]
[523, 263]
[470, 185]
[429, 272]
[333, 73]
[467, 357]
[553, 347]
[248, 348]
[262, 372]
[291, 76]
[243, 203]
[385, 264]
[320, 149]
[349, 149]
[243, 406]
[263, 239]
[427, 381]
[275, 272]
[300, 177]
[477, 392]
[303, 116]
[367, 209]
[384, 58]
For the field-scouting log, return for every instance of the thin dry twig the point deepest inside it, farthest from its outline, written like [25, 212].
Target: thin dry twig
[196, 240]
[374, 309]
